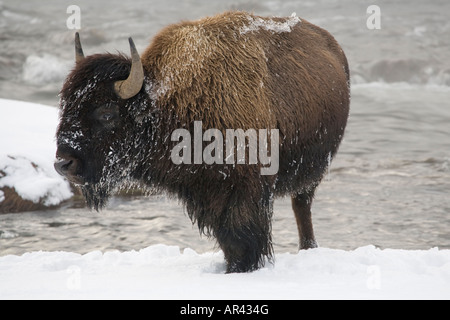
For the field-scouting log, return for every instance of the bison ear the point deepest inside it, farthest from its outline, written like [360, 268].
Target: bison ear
[130, 87]
[79, 55]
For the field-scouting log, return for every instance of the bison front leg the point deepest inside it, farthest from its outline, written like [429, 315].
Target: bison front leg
[301, 203]
[245, 248]
[245, 235]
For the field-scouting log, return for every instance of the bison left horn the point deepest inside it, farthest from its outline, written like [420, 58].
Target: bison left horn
[128, 88]
[79, 55]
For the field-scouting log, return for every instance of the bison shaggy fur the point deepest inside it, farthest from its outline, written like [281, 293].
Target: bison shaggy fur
[234, 70]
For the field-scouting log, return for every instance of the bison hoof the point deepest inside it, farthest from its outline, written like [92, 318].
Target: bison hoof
[308, 244]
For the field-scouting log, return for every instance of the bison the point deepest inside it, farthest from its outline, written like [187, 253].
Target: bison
[231, 71]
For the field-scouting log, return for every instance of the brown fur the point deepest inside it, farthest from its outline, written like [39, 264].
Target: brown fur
[294, 81]
[203, 79]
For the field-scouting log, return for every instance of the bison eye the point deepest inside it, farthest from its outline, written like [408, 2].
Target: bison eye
[107, 115]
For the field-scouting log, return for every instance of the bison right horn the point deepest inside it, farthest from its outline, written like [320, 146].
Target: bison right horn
[128, 88]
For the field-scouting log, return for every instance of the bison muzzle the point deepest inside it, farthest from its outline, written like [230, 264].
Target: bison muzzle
[231, 71]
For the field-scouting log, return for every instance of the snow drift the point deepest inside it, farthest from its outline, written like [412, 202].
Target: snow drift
[164, 272]
[27, 152]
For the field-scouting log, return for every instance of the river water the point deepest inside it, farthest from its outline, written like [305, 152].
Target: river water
[389, 185]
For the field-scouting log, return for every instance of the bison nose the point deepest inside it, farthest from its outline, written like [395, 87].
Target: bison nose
[69, 168]
[63, 167]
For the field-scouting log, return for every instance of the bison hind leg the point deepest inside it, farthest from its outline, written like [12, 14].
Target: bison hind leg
[301, 204]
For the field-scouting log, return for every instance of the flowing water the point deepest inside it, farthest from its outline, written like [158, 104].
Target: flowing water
[389, 185]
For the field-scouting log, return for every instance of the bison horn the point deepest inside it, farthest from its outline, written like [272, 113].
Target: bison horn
[79, 55]
[128, 88]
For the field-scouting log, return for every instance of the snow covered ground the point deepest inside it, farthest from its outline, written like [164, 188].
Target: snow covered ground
[165, 272]
[27, 152]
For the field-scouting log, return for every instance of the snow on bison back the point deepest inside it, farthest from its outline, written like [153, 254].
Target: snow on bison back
[226, 113]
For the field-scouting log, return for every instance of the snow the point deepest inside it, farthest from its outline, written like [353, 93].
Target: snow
[165, 272]
[27, 152]
[255, 23]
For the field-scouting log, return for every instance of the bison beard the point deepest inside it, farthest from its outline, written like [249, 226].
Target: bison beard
[96, 195]
[231, 71]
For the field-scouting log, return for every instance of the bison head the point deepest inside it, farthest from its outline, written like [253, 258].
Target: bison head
[101, 105]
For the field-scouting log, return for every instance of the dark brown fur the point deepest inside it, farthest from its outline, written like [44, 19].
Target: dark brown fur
[229, 73]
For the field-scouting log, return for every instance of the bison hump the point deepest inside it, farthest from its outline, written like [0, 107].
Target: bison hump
[211, 70]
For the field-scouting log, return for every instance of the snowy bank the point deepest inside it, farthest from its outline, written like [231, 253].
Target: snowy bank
[27, 152]
[163, 272]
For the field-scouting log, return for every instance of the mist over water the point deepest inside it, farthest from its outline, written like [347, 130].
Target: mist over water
[388, 186]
